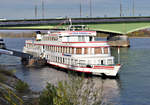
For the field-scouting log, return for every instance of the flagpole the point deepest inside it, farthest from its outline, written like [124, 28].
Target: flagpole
[119, 55]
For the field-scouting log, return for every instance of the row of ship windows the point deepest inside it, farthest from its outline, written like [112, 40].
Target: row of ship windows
[54, 38]
[72, 50]
[76, 62]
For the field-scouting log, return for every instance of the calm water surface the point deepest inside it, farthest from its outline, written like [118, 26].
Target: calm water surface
[132, 88]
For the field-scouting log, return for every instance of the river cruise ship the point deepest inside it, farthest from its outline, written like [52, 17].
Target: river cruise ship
[74, 49]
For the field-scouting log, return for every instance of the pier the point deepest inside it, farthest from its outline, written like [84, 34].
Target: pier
[26, 59]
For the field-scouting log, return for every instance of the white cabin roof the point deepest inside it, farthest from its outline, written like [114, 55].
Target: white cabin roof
[77, 33]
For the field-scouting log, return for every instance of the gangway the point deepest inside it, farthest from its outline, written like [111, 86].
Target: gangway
[16, 53]
[26, 59]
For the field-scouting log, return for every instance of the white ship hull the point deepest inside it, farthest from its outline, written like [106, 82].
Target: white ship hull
[98, 70]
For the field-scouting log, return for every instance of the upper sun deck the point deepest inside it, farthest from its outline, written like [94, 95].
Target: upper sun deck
[75, 30]
[74, 35]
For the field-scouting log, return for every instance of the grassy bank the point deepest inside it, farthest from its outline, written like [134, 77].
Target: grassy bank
[77, 90]
[137, 34]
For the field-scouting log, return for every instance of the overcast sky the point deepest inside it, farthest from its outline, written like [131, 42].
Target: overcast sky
[20, 9]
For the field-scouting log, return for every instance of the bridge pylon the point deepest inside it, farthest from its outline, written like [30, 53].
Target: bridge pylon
[118, 40]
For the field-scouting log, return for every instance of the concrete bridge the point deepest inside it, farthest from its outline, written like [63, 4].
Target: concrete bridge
[114, 26]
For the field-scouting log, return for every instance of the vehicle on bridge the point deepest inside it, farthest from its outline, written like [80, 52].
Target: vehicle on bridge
[74, 49]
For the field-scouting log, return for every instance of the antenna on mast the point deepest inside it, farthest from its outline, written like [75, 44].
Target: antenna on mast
[70, 21]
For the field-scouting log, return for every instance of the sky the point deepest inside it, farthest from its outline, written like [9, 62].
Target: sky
[25, 9]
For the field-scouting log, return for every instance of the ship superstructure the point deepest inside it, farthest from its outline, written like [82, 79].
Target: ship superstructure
[74, 49]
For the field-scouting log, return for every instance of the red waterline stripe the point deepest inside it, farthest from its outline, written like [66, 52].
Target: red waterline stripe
[95, 67]
[106, 67]
[68, 68]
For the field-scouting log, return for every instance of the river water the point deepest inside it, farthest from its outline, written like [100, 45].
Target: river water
[131, 88]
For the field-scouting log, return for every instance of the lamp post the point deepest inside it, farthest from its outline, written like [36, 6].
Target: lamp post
[120, 8]
[80, 9]
[133, 8]
[43, 15]
[90, 8]
[35, 11]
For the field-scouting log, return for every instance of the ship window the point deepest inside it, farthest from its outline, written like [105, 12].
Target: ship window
[72, 61]
[68, 50]
[61, 49]
[102, 62]
[109, 61]
[82, 63]
[72, 50]
[79, 38]
[68, 38]
[50, 47]
[53, 48]
[63, 60]
[91, 50]
[105, 50]
[98, 51]
[76, 62]
[85, 50]
[83, 38]
[68, 61]
[57, 49]
[78, 51]
[90, 38]
[65, 50]
[57, 59]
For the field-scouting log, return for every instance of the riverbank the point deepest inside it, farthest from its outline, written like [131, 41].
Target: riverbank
[18, 34]
[14, 90]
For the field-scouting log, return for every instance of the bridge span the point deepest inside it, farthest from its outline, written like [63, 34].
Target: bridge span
[113, 26]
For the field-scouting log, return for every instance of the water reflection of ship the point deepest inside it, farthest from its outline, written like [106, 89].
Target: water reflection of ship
[109, 89]
[123, 51]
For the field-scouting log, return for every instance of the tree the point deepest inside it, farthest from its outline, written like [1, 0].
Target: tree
[74, 91]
